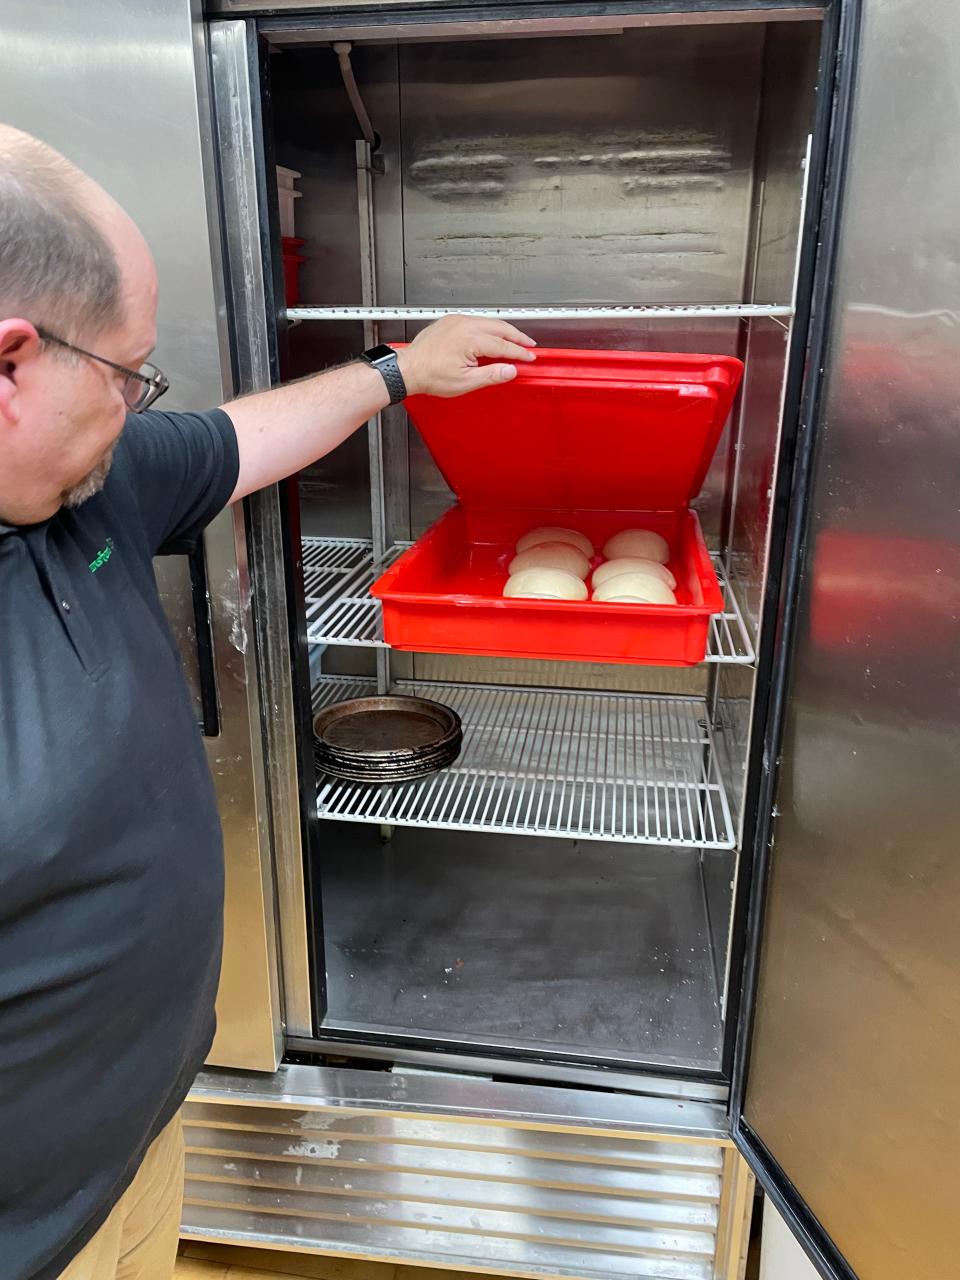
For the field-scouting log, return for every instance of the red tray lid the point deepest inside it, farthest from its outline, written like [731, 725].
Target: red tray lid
[588, 430]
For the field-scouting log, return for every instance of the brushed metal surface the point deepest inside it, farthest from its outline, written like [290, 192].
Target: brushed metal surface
[853, 1066]
[501, 1177]
[558, 172]
[282, 34]
[516, 1106]
[176, 592]
[780, 190]
[654, 12]
[626, 160]
[577, 950]
[403, 1057]
[246, 222]
[128, 102]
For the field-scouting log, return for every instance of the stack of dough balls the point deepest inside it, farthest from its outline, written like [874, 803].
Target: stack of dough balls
[553, 564]
[635, 570]
[550, 564]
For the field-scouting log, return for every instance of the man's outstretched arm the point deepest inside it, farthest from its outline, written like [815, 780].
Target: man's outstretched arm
[283, 430]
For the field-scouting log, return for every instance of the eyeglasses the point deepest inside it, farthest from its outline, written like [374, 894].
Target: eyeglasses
[141, 387]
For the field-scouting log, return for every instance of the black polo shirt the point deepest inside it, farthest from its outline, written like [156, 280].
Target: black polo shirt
[111, 878]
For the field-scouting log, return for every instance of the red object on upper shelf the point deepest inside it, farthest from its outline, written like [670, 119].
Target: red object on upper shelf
[293, 260]
[596, 441]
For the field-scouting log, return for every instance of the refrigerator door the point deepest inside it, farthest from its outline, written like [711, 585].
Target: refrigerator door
[124, 95]
[847, 1077]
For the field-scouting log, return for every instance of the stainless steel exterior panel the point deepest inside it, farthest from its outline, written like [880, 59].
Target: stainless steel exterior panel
[852, 1069]
[466, 1173]
[128, 102]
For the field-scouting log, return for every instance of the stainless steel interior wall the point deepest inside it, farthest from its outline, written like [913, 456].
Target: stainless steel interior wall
[786, 118]
[591, 170]
[790, 58]
[604, 169]
[614, 176]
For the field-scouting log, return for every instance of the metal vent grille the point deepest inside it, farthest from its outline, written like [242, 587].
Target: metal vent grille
[445, 1190]
[339, 572]
[624, 767]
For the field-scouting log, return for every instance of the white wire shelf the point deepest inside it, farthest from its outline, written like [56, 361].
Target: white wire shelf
[595, 766]
[337, 576]
[339, 572]
[694, 311]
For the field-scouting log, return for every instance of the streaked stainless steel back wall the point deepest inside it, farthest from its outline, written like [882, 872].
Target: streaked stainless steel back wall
[604, 170]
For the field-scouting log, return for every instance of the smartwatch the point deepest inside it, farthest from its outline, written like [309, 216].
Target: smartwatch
[384, 360]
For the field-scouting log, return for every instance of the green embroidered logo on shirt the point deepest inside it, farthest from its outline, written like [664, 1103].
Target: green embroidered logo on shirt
[102, 556]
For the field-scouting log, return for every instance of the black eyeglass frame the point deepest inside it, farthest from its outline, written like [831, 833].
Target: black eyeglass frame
[155, 383]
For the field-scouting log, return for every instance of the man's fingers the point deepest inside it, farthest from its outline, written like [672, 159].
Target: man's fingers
[501, 329]
[484, 325]
[513, 334]
[493, 346]
[488, 375]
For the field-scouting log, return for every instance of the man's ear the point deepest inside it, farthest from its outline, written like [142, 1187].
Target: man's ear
[19, 342]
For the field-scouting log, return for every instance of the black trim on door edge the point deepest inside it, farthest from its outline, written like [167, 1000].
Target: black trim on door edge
[792, 1207]
[791, 512]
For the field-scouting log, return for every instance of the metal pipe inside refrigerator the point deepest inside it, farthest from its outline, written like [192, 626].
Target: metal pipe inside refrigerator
[371, 337]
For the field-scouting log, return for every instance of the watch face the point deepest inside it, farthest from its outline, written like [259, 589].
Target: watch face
[383, 352]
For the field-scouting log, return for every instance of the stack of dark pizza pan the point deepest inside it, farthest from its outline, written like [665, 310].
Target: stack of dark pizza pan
[393, 738]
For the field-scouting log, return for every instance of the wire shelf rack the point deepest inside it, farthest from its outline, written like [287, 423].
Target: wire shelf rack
[337, 576]
[339, 572]
[615, 767]
[649, 311]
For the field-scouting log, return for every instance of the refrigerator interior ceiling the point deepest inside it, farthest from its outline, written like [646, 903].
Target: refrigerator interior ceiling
[420, 29]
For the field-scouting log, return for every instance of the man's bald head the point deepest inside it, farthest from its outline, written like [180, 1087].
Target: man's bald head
[58, 266]
[73, 267]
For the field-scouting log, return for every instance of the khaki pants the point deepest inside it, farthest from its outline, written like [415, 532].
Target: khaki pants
[139, 1239]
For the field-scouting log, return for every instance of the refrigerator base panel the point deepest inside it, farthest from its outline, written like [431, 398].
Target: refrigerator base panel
[505, 1179]
[572, 948]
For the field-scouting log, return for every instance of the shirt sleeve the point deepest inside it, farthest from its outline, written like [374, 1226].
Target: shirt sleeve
[183, 469]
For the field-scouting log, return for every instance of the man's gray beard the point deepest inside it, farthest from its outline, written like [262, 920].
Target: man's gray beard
[91, 483]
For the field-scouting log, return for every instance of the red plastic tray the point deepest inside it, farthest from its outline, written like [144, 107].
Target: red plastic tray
[597, 441]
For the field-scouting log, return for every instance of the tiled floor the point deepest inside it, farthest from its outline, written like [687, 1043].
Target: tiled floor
[223, 1262]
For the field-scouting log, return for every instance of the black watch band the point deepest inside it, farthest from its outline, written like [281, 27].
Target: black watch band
[384, 359]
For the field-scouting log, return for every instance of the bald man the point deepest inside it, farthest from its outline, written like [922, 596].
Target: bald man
[110, 846]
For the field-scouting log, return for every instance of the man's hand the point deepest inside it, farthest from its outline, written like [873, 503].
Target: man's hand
[444, 360]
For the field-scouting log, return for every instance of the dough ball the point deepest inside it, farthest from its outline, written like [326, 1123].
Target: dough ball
[634, 588]
[632, 564]
[638, 542]
[545, 584]
[536, 537]
[552, 555]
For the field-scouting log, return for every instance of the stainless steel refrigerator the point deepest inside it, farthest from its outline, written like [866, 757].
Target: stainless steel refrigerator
[661, 928]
